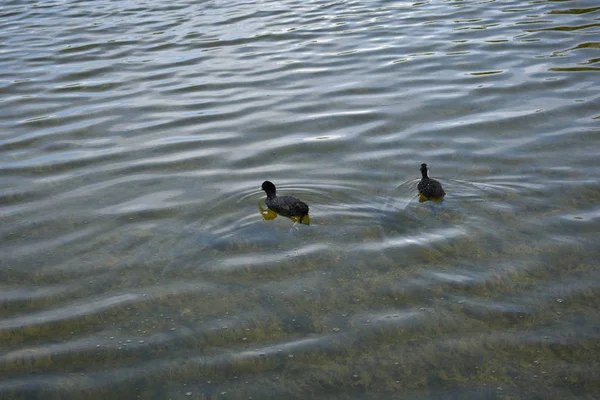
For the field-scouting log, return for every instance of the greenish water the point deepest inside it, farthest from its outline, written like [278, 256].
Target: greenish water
[134, 138]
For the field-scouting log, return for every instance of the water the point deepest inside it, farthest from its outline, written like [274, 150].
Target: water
[134, 138]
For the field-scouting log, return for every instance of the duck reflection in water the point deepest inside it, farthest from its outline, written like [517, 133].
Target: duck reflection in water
[430, 189]
[286, 206]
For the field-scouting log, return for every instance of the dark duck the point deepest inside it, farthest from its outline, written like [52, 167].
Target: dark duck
[287, 206]
[429, 189]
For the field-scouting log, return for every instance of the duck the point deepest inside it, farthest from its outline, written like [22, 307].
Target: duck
[288, 206]
[429, 189]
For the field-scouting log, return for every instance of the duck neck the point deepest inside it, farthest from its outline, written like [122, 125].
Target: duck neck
[424, 172]
[270, 194]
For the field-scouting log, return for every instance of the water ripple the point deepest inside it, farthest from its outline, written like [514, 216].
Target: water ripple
[66, 312]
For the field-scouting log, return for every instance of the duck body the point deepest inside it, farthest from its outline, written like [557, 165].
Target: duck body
[288, 206]
[428, 188]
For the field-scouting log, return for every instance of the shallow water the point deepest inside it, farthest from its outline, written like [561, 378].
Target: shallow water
[135, 261]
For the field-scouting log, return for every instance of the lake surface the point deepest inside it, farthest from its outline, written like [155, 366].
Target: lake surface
[134, 138]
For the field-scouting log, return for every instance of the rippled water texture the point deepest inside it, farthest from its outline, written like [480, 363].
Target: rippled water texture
[134, 138]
